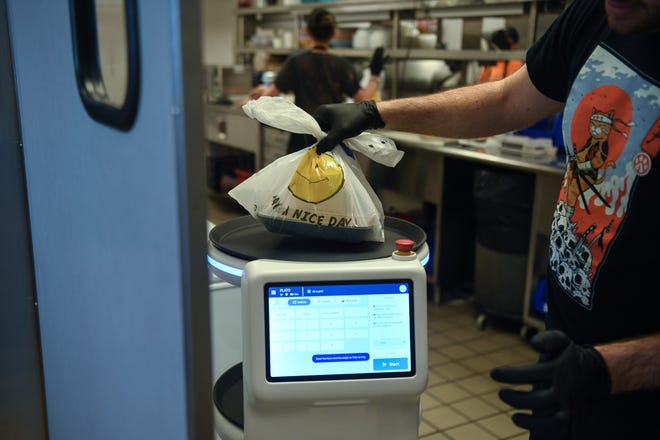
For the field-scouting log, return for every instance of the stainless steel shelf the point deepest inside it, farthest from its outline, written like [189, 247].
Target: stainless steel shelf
[371, 6]
[407, 54]
[394, 12]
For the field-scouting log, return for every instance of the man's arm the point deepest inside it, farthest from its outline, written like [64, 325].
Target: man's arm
[468, 112]
[633, 364]
[472, 111]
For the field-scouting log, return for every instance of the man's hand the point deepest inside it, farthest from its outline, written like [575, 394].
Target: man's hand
[342, 121]
[566, 374]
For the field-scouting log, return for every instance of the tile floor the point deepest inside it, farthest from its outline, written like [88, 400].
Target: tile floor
[460, 402]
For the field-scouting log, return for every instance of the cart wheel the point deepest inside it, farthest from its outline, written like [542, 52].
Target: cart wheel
[482, 321]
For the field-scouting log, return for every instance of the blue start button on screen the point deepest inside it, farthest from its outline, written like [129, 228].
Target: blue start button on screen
[390, 364]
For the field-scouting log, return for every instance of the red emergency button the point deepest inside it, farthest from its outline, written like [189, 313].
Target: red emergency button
[404, 245]
[404, 250]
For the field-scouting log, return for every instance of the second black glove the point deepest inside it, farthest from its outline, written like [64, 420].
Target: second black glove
[566, 374]
[377, 61]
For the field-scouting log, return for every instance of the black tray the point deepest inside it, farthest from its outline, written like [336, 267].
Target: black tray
[228, 395]
[248, 239]
[348, 234]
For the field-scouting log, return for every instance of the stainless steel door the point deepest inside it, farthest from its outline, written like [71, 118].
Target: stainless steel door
[117, 218]
[22, 408]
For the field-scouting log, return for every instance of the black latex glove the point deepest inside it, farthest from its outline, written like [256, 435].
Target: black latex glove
[377, 61]
[342, 121]
[565, 375]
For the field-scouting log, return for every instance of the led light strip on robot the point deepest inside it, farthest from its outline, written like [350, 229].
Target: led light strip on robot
[234, 271]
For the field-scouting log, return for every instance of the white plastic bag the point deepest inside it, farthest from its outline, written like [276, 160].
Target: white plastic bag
[302, 193]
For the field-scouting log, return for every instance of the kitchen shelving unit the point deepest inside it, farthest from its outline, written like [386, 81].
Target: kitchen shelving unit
[531, 18]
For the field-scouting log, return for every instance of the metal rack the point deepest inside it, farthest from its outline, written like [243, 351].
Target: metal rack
[535, 15]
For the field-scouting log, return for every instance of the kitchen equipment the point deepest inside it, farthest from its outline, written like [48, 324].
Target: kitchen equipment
[236, 82]
[334, 335]
[287, 39]
[361, 39]
[422, 76]
[268, 77]
[212, 91]
[427, 41]
[378, 37]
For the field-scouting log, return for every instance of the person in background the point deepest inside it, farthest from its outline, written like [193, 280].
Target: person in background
[503, 39]
[598, 370]
[317, 77]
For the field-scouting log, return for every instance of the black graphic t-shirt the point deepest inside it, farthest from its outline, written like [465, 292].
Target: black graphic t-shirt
[604, 245]
[605, 242]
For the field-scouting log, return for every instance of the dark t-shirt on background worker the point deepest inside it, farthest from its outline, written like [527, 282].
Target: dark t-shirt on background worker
[598, 374]
[317, 77]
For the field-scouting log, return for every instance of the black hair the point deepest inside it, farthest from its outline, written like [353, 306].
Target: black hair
[321, 24]
[500, 40]
[513, 33]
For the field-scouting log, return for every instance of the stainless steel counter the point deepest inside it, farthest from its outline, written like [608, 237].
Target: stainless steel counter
[234, 109]
[228, 125]
[451, 148]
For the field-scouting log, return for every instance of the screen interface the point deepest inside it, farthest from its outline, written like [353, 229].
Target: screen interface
[339, 330]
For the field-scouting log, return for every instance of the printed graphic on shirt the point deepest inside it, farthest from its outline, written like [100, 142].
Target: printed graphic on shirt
[611, 132]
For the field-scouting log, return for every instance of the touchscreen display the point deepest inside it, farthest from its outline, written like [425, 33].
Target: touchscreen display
[339, 330]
